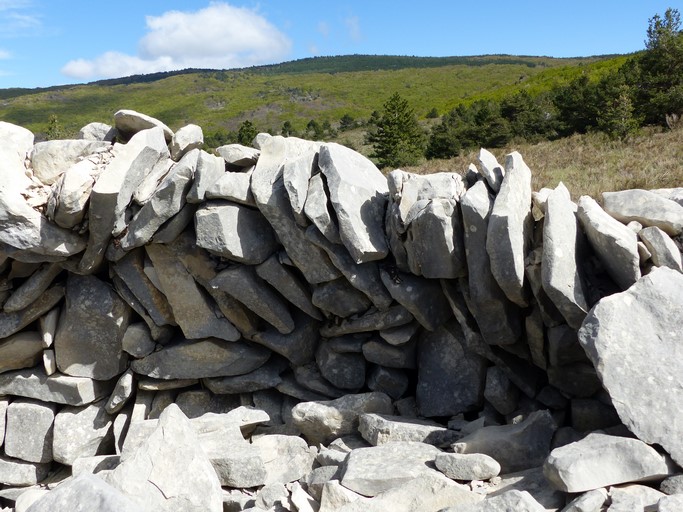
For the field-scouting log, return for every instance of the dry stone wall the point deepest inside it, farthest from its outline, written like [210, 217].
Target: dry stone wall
[283, 327]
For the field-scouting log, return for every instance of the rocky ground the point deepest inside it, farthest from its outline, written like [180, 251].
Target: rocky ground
[282, 327]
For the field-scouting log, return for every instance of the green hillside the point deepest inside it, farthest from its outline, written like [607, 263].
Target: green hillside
[323, 89]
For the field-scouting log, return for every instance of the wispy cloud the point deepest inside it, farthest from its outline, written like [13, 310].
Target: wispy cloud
[219, 36]
[353, 26]
[323, 28]
[17, 18]
[4, 54]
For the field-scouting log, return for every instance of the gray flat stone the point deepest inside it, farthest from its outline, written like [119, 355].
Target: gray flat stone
[290, 286]
[450, 379]
[370, 471]
[233, 186]
[379, 429]
[638, 365]
[615, 244]
[358, 193]
[318, 209]
[166, 201]
[562, 274]
[114, 190]
[519, 501]
[340, 299]
[82, 431]
[186, 139]
[85, 488]
[21, 473]
[198, 359]
[343, 370]
[92, 325]
[487, 300]
[663, 249]
[238, 155]
[670, 503]
[382, 353]
[29, 430]
[490, 169]
[210, 168]
[599, 460]
[324, 421]
[509, 229]
[123, 391]
[515, 447]
[243, 284]
[129, 122]
[193, 309]
[31, 289]
[588, 501]
[296, 173]
[50, 159]
[264, 377]
[648, 208]
[633, 497]
[467, 466]
[69, 196]
[97, 131]
[21, 350]
[15, 321]
[286, 458]
[297, 346]
[371, 321]
[234, 232]
[58, 388]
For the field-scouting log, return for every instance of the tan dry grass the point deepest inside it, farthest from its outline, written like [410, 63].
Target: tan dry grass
[591, 164]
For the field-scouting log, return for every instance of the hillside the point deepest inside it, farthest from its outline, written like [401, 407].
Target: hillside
[322, 88]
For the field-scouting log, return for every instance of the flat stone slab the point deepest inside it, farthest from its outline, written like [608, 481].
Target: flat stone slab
[379, 429]
[57, 388]
[130, 122]
[664, 251]
[370, 471]
[235, 232]
[467, 466]
[202, 358]
[21, 350]
[29, 430]
[21, 473]
[509, 229]
[358, 193]
[615, 244]
[646, 207]
[15, 321]
[599, 460]
[633, 340]
[51, 158]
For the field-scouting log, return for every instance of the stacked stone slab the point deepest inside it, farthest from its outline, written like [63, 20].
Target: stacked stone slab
[302, 331]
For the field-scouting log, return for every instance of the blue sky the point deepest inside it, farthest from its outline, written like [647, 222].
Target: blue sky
[54, 42]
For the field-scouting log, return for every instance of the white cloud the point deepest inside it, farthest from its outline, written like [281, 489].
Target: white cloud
[4, 54]
[353, 26]
[16, 19]
[219, 36]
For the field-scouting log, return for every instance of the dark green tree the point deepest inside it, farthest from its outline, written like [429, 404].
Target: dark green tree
[314, 130]
[577, 106]
[660, 80]
[287, 129]
[433, 114]
[530, 118]
[399, 139]
[246, 133]
[347, 122]
[55, 130]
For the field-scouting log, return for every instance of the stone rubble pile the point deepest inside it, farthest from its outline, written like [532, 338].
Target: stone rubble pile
[283, 327]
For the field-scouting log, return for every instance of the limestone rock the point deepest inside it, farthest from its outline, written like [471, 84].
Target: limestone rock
[467, 466]
[515, 447]
[31, 289]
[21, 473]
[509, 229]
[197, 359]
[169, 471]
[450, 379]
[13, 322]
[209, 169]
[286, 458]
[615, 244]
[321, 422]
[318, 209]
[633, 497]
[51, 158]
[192, 308]
[562, 275]
[264, 377]
[233, 186]
[93, 321]
[82, 432]
[519, 501]
[30, 430]
[122, 392]
[21, 350]
[296, 173]
[370, 471]
[638, 365]
[588, 501]
[370, 321]
[238, 155]
[244, 285]
[186, 139]
[114, 190]
[487, 300]
[97, 131]
[235, 232]
[600, 460]
[490, 169]
[85, 488]
[422, 297]
[379, 429]
[70, 195]
[129, 122]
[358, 192]
[670, 503]
[239, 465]
[267, 185]
[343, 370]
[340, 299]
[648, 208]
[664, 251]
[500, 392]
[57, 388]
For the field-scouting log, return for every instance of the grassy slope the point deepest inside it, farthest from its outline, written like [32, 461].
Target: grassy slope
[269, 96]
[591, 164]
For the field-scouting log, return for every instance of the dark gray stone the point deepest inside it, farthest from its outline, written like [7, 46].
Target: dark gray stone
[13, 322]
[264, 377]
[379, 352]
[339, 298]
[298, 346]
[371, 321]
[343, 370]
[30, 430]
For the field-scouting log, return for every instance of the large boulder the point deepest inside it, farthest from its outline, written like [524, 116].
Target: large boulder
[646, 207]
[633, 340]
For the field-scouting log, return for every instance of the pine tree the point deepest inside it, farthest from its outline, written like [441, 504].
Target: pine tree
[246, 133]
[399, 139]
